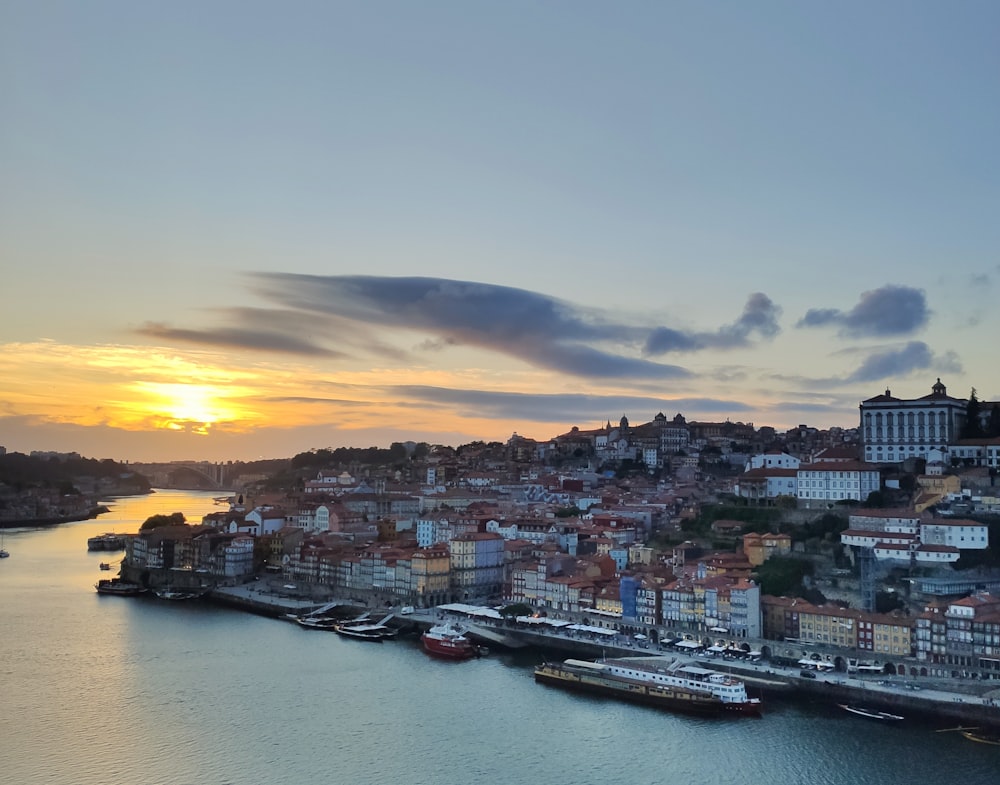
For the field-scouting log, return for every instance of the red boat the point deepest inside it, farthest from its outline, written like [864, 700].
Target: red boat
[450, 641]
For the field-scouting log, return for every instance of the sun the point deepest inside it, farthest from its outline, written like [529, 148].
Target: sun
[194, 407]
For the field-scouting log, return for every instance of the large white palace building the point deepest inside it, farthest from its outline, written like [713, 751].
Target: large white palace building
[895, 429]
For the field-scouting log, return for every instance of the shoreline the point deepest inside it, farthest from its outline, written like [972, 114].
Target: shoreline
[74, 518]
[931, 702]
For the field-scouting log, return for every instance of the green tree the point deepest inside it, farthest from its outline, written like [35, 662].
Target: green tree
[156, 521]
[972, 428]
[782, 576]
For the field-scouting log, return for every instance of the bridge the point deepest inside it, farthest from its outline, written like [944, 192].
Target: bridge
[190, 475]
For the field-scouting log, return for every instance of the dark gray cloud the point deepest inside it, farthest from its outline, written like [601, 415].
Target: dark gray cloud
[896, 362]
[541, 330]
[238, 338]
[891, 310]
[760, 315]
[283, 331]
[570, 407]
[339, 316]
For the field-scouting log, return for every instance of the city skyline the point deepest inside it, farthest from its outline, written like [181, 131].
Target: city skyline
[239, 231]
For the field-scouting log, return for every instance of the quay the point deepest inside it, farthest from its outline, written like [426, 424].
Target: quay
[933, 700]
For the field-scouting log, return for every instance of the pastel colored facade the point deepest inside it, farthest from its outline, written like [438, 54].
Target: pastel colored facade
[896, 429]
[964, 633]
[885, 634]
[706, 603]
[829, 624]
[790, 618]
[477, 564]
[758, 548]
[237, 557]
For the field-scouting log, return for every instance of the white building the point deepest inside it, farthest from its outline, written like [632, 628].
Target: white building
[828, 482]
[773, 459]
[895, 429]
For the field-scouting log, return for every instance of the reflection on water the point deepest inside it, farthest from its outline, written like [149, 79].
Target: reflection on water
[99, 689]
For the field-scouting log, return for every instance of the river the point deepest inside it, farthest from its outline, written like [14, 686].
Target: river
[97, 689]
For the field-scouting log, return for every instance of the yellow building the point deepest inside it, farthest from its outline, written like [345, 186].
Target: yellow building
[758, 548]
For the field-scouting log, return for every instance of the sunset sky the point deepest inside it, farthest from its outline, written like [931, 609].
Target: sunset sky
[241, 230]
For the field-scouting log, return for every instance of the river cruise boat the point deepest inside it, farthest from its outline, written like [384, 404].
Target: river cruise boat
[732, 692]
[119, 587]
[597, 678]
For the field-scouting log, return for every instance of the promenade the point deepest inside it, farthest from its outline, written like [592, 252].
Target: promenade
[965, 702]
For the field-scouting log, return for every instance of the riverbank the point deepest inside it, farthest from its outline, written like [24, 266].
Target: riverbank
[88, 515]
[935, 701]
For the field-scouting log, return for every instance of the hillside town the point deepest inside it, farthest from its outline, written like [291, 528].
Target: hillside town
[874, 540]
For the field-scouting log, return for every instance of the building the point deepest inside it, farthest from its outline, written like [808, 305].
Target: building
[758, 548]
[823, 484]
[897, 429]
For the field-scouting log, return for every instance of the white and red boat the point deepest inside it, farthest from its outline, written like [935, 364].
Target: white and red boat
[450, 641]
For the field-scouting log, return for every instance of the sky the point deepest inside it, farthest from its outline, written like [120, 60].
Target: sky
[234, 230]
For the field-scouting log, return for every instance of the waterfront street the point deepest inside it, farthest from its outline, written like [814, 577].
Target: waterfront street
[958, 700]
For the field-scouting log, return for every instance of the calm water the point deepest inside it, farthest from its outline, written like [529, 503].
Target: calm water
[132, 690]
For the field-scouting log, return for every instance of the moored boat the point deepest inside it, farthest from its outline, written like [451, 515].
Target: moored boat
[105, 565]
[119, 587]
[730, 691]
[974, 734]
[870, 714]
[109, 541]
[311, 622]
[180, 594]
[363, 631]
[598, 678]
[449, 641]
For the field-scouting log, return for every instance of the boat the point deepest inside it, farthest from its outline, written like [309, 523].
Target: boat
[119, 587]
[167, 593]
[368, 631]
[313, 622]
[974, 734]
[109, 541]
[449, 641]
[3, 551]
[730, 691]
[871, 714]
[598, 678]
[105, 565]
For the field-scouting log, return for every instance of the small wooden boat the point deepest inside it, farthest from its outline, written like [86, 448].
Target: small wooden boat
[974, 734]
[871, 714]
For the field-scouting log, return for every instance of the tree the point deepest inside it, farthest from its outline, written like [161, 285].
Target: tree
[517, 609]
[972, 428]
[782, 576]
[156, 521]
[993, 428]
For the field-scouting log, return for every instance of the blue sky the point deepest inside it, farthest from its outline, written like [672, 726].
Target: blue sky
[242, 229]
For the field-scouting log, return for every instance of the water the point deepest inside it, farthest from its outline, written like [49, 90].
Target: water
[97, 689]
